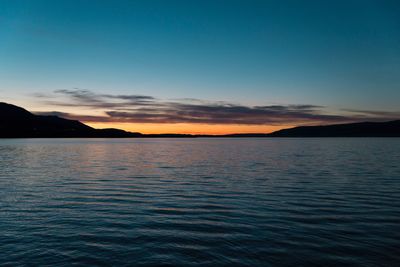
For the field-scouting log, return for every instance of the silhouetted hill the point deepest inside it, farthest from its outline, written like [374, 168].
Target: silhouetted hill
[16, 122]
[361, 129]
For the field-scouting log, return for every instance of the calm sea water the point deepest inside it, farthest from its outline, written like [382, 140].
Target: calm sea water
[200, 202]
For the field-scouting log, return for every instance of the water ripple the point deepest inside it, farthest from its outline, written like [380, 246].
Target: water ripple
[200, 202]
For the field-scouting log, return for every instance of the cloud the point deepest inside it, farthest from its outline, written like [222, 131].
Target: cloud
[86, 98]
[70, 116]
[375, 113]
[147, 109]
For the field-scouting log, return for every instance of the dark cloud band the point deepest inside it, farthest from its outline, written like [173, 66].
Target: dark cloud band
[147, 109]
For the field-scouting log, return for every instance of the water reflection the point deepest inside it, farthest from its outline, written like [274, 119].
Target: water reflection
[192, 202]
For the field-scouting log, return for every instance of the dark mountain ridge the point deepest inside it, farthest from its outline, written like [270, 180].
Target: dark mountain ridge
[16, 122]
[360, 129]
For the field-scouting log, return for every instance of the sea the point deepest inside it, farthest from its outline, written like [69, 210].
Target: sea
[200, 202]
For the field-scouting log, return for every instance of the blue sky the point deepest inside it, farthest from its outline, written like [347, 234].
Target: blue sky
[338, 54]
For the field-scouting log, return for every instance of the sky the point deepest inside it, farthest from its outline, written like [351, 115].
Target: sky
[202, 66]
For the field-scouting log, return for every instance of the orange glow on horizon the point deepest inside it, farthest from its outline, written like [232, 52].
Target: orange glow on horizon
[188, 128]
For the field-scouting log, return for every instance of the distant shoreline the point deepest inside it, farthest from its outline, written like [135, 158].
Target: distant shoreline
[16, 122]
[206, 137]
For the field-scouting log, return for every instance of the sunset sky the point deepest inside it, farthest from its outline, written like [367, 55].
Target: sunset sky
[202, 66]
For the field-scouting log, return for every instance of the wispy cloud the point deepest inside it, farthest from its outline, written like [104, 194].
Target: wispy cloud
[148, 109]
[86, 98]
[375, 113]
